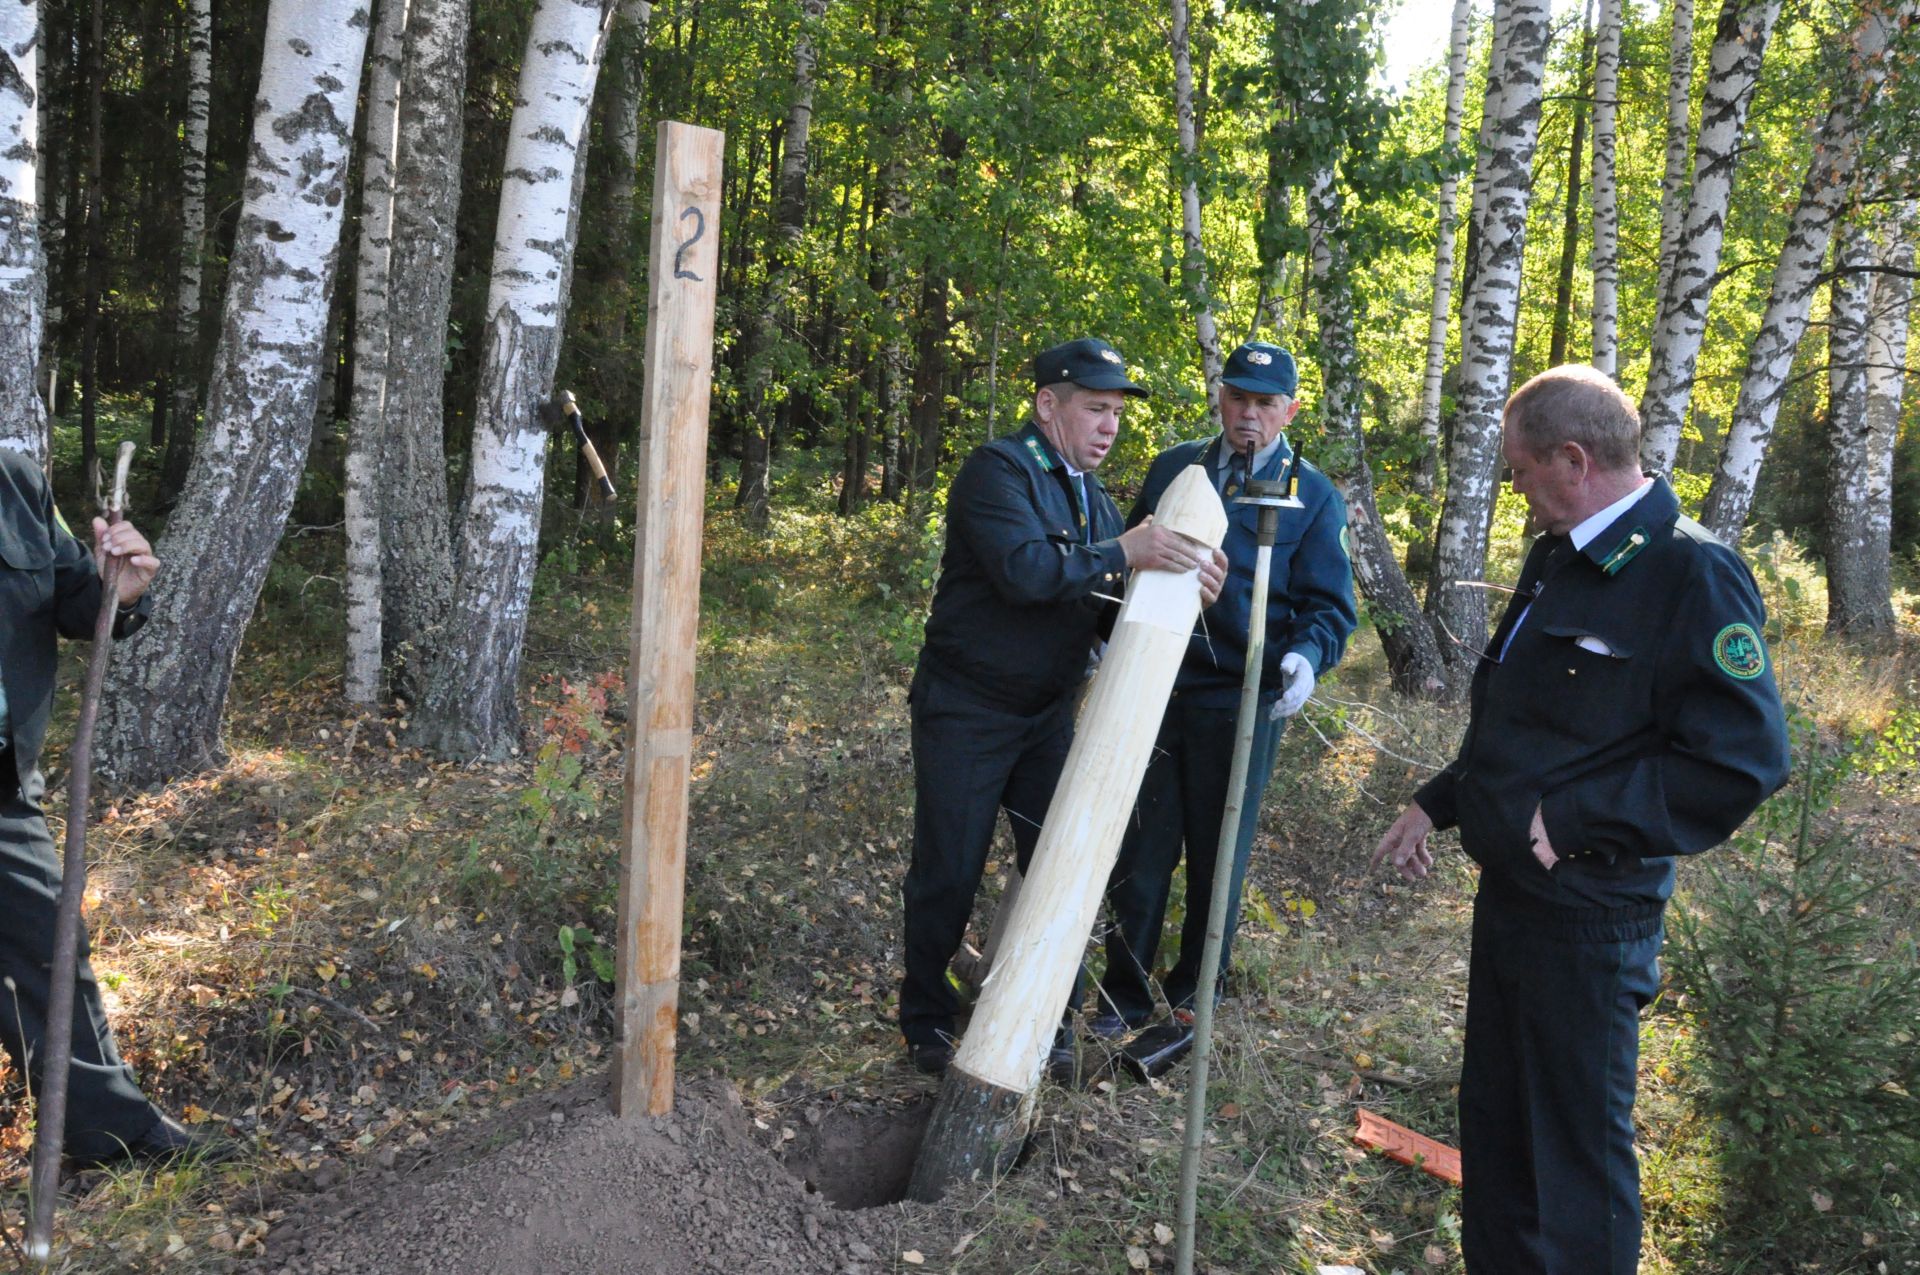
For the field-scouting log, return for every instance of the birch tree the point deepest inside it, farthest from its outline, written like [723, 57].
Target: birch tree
[161, 714]
[416, 520]
[23, 417]
[1739, 43]
[184, 375]
[1413, 656]
[371, 326]
[771, 322]
[469, 707]
[1193, 264]
[1509, 130]
[1606, 195]
[1673, 183]
[1426, 471]
[1867, 331]
[1796, 275]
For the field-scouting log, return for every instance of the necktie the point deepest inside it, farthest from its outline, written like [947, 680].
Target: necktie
[1235, 480]
[1080, 501]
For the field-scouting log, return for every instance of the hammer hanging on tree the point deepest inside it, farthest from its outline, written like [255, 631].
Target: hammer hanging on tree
[565, 407]
[51, 1117]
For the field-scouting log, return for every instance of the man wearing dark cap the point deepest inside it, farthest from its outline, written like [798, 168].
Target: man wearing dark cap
[1310, 612]
[1033, 544]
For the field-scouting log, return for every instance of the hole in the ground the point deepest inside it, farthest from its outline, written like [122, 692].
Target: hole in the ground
[860, 1155]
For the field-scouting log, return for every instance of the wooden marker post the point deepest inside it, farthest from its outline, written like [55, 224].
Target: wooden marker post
[980, 1119]
[670, 499]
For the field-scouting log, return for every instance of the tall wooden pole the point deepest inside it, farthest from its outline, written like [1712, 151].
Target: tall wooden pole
[980, 1118]
[671, 496]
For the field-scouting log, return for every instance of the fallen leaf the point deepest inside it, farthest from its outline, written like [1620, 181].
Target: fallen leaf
[1338, 1270]
[1162, 1233]
[1434, 1255]
[1137, 1258]
[913, 1257]
[1821, 1203]
[1382, 1241]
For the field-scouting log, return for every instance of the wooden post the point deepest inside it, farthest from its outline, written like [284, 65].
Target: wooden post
[670, 499]
[980, 1118]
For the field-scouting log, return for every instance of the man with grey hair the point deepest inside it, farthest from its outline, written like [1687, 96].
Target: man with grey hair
[1624, 714]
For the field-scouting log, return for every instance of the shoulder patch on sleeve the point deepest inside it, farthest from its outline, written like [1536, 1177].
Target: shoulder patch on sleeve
[61, 522]
[1739, 652]
[1346, 542]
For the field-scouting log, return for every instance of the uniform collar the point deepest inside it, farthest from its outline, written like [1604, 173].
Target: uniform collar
[1031, 441]
[1634, 522]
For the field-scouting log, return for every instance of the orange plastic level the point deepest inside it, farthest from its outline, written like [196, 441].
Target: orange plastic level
[1397, 1142]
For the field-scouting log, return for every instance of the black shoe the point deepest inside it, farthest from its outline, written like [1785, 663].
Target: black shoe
[931, 1057]
[1109, 1027]
[1063, 1065]
[166, 1142]
[1155, 1051]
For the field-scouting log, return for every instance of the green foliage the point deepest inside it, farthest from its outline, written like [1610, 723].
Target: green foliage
[1806, 1001]
[578, 940]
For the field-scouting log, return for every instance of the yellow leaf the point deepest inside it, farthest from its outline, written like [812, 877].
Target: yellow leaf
[1363, 1061]
[326, 971]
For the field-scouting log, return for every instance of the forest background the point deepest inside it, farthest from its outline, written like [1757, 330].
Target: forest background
[916, 198]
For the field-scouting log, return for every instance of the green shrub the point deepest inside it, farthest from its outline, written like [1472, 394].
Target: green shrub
[1806, 1012]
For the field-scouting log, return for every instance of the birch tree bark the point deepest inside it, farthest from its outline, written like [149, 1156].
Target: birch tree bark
[469, 708]
[366, 430]
[1860, 437]
[1509, 130]
[1795, 275]
[1673, 184]
[1426, 470]
[1413, 656]
[416, 520]
[1606, 195]
[1739, 43]
[161, 714]
[184, 375]
[774, 318]
[23, 417]
[1193, 264]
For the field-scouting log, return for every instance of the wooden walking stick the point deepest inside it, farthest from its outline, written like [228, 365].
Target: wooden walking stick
[51, 1117]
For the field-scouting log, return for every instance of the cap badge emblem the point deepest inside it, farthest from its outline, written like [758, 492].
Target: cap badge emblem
[1259, 358]
[1110, 356]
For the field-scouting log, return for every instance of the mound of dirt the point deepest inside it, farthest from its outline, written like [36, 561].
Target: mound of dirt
[562, 1185]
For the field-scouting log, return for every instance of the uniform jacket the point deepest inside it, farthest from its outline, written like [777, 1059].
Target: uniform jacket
[1015, 612]
[1310, 584]
[48, 589]
[1636, 707]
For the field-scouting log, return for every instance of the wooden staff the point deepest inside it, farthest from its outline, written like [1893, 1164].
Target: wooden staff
[980, 1118]
[50, 1127]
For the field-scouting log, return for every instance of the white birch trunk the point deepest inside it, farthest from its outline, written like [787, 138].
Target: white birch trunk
[1606, 195]
[1859, 491]
[1509, 130]
[1673, 184]
[1413, 656]
[1739, 43]
[187, 292]
[1795, 276]
[416, 518]
[1426, 473]
[23, 417]
[469, 708]
[366, 430]
[1193, 266]
[161, 714]
[1867, 593]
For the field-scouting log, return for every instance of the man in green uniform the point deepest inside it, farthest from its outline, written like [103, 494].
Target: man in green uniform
[1624, 714]
[49, 588]
[1310, 613]
[1034, 547]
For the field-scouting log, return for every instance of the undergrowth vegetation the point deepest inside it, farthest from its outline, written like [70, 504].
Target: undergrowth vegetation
[343, 948]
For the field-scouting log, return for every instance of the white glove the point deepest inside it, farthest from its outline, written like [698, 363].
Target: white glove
[1297, 669]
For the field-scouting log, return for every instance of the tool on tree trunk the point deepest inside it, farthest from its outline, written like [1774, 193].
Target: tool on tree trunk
[1269, 498]
[51, 1117]
[564, 407]
[1397, 1142]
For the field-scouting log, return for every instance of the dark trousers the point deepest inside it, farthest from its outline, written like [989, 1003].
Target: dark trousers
[1182, 800]
[1551, 1185]
[969, 761]
[105, 1107]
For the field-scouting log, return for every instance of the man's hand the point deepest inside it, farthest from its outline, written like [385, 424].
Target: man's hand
[1297, 670]
[1213, 577]
[1542, 847]
[1151, 548]
[1405, 844]
[137, 563]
